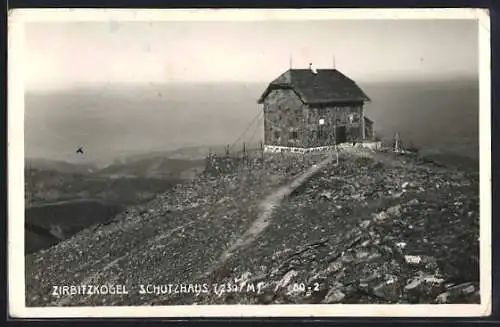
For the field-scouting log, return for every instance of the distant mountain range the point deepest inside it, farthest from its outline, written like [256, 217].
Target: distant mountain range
[63, 198]
[155, 167]
[180, 163]
[59, 166]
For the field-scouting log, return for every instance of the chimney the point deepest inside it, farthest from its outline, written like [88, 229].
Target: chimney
[314, 71]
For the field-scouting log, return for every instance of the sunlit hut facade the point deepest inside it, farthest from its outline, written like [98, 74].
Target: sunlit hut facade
[306, 109]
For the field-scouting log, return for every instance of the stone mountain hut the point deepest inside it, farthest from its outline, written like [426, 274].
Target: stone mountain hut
[306, 109]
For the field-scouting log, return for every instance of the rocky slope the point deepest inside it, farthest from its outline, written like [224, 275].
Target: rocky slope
[390, 230]
[374, 229]
[175, 237]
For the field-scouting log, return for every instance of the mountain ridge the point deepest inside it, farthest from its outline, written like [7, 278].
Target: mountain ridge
[365, 216]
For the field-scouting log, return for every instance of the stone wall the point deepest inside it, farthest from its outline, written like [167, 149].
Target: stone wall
[335, 119]
[289, 122]
[284, 118]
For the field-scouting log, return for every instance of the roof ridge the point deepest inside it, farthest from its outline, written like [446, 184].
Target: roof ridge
[327, 85]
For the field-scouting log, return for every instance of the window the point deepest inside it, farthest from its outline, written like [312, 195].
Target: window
[353, 118]
[293, 135]
[320, 134]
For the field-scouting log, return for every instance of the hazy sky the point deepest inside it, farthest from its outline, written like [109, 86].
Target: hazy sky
[65, 54]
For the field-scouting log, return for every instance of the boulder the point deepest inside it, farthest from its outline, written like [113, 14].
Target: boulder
[334, 296]
[423, 288]
[462, 293]
[388, 290]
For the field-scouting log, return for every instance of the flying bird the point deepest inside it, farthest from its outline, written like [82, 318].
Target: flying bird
[80, 150]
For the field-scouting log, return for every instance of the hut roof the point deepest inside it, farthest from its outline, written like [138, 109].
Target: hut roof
[324, 86]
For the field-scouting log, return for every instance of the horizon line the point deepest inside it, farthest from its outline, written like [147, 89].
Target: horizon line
[87, 85]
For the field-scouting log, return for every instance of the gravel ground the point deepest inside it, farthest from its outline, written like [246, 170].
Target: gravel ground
[377, 228]
[371, 230]
[173, 239]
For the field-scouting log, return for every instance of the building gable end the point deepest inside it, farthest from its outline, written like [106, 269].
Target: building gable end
[272, 88]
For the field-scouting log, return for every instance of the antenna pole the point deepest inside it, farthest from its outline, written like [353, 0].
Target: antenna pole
[333, 62]
[291, 62]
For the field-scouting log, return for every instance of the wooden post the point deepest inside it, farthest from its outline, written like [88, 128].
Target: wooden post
[336, 149]
[363, 136]
[262, 150]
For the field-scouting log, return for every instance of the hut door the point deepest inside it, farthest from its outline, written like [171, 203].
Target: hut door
[340, 135]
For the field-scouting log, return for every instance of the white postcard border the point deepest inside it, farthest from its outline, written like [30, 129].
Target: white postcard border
[16, 271]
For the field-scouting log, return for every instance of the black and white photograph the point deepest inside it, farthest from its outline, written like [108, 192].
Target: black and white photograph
[249, 163]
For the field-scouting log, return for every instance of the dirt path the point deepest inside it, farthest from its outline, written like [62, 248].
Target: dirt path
[267, 207]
